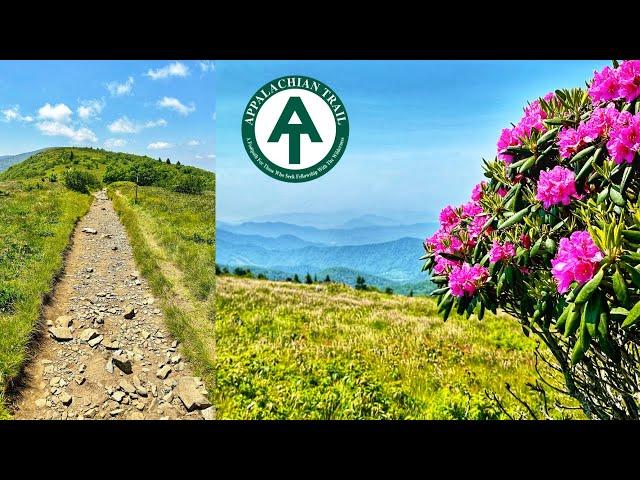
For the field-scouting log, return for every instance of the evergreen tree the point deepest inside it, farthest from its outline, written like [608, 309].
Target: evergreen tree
[361, 283]
[307, 279]
[296, 279]
[225, 270]
[388, 291]
[218, 271]
[168, 162]
[411, 293]
[178, 163]
[327, 279]
[315, 278]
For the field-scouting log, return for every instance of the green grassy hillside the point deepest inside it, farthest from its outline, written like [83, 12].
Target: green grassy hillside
[107, 167]
[291, 351]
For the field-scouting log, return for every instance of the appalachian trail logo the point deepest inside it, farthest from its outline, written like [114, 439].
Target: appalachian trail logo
[295, 129]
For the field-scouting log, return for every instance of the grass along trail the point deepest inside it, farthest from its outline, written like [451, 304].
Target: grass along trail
[107, 353]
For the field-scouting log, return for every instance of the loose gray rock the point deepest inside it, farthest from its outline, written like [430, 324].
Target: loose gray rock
[207, 413]
[118, 396]
[88, 334]
[64, 321]
[95, 341]
[123, 363]
[188, 391]
[130, 312]
[163, 372]
[127, 387]
[66, 399]
[91, 231]
[61, 334]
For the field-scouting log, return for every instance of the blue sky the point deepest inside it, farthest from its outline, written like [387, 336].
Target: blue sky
[156, 108]
[418, 131]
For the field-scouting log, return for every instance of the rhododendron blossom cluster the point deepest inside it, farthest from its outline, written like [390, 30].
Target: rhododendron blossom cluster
[577, 260]
[616, 83]
[624, 139]
[557, 186]
[466, 279]
[501, 252]
[531, 120]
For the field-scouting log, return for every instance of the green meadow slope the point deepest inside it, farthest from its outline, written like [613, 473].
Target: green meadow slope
[292, 351]
[37, 217]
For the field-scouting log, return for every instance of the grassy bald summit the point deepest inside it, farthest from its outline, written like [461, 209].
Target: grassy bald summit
[101, 166]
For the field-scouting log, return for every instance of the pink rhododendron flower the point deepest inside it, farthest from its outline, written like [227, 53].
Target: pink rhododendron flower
[466, 279]
[502, 191]
[525, 241]
[476, 193]
[577, 260]
[501, 252]
[507, 139]
[475, 227]
[604, 86]
[629, 80]
[443, 265]
[556, 186]
[449, 218]
[569, 142]
[624, 138]
[471, 209]
[600, 122]
[442, 241]
[532, 120]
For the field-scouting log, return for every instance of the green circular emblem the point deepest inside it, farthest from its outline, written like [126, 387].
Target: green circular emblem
[295, 128]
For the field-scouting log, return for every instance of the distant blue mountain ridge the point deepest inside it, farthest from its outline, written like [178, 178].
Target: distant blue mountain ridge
[360, 235]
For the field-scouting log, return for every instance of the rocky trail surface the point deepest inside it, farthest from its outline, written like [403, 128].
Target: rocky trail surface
[107, 353]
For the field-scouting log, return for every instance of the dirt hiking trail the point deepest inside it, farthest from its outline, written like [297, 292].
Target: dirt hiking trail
[106, 353]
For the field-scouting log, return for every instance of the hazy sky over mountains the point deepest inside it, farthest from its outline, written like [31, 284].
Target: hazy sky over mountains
[418, 131]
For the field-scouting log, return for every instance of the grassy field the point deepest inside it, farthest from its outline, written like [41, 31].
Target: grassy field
[288, 351]
[36, 221]
[172, 235]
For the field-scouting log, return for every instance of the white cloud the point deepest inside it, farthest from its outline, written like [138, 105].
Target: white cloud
[118, 89]
[159, 145]
[207, 66]
[55, 113]
[193, 143]
[156, 123]
[115, 142]
[90, 108]
[175, 69]
[13, 113]
[211, 155]
[58, 129]
[124, 125]
[214, 116]
[175, 104]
